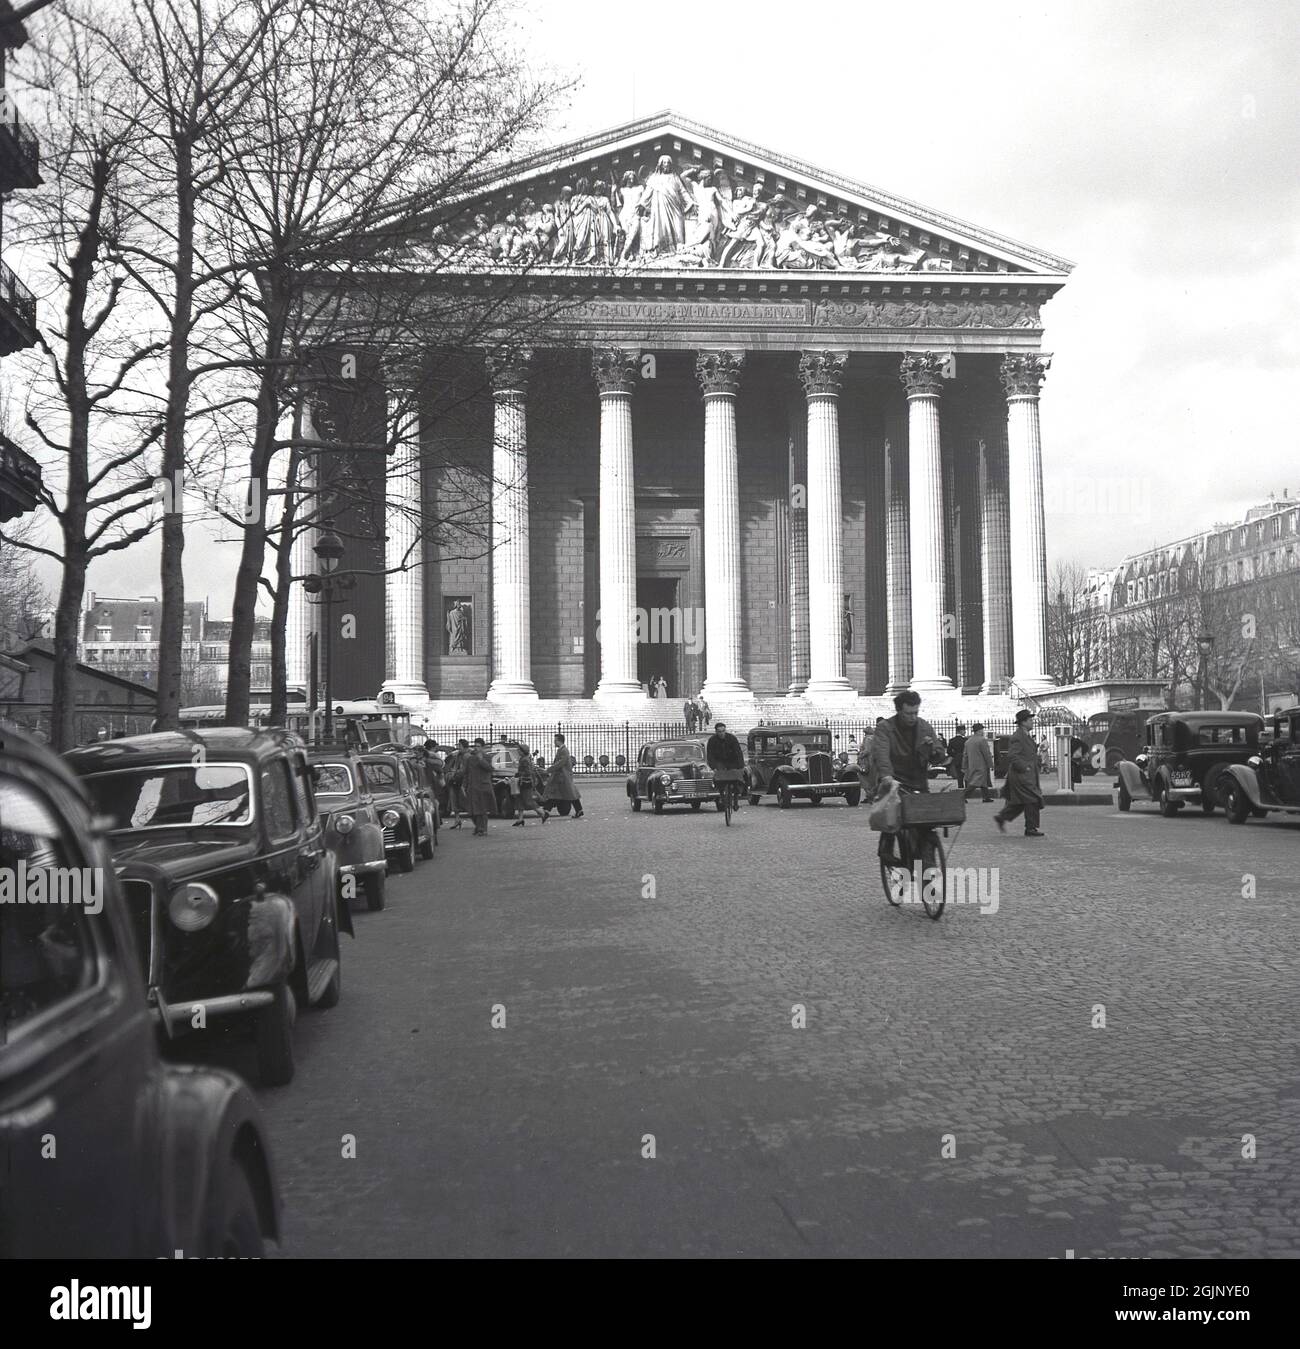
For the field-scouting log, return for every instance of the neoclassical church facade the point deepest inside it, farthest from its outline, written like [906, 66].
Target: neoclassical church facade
[774, 435]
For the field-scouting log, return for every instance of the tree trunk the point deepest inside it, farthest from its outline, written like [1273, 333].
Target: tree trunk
[283, 581]
[67, 620]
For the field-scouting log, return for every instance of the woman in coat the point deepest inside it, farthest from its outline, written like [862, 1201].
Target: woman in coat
[1022, 789]
[977, 763]
[559, 785]
[480, 798]
[523, 796]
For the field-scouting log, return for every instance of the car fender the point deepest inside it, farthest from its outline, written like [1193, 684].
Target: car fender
[272, 928]
[209, 1120]
[1131, 776]
[630, 786]
[1248, 779]
[850, 775]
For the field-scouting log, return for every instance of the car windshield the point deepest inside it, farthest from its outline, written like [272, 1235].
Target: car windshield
[379, 776]
[679, 754]
[505, 758]
[333, 779]
[789, 744]
[166, 796]
[1224, 735]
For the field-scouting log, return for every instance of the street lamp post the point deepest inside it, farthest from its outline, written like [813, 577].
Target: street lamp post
[1205, 642]
[327, 584]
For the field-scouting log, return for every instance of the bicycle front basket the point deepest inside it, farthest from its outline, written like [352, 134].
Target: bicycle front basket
[936, 808]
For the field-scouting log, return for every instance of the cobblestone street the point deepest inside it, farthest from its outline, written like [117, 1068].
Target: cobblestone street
[672, 1015]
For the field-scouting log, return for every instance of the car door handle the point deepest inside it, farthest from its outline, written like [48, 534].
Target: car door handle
[27, 1117]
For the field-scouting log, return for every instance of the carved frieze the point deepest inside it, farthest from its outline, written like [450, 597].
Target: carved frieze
[922, 373]
[927, 314]
[821, 372]
[719, 371]
[1022, 376]
[614, 369]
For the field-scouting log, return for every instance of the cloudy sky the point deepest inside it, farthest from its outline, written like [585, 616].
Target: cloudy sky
[1154, 144]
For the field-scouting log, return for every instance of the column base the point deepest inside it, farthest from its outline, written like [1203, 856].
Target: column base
[404, 690]
[796, 689]
[897, 686]
[992, 687]
[620, 692]
[726, 691]
[512, 691]
[830, 691]
[935, 684]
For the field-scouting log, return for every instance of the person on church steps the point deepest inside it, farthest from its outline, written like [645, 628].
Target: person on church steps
[977, 764]
[559, 783]
[480, 798]
[1022, 789]
[523, 794]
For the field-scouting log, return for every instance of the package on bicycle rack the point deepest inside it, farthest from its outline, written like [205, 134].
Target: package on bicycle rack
[935, 808]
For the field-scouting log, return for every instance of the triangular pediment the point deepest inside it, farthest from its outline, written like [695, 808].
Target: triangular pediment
[667, 194]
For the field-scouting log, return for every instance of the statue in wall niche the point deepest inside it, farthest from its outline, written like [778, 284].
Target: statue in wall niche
[460, 634]
[846, 623]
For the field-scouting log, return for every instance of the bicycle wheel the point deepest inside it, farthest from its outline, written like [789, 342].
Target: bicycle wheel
[896, 877]
[726, 803]
[934, 875]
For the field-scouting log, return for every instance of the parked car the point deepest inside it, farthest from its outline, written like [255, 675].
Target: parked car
[407, 809]
[672, 773]
[1113, 737]
[231, 888]
[352, 829]
[1186, 757]
[505, 756]
[794, 760]
[1269, 780]
[151, 1158]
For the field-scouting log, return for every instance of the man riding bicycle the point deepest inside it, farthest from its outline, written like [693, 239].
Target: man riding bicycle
[723, 752]
[904, 747]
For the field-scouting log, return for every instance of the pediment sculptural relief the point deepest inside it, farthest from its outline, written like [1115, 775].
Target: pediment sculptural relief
[671, 217]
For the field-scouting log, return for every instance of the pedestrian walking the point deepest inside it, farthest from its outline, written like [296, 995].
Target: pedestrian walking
[688, 711]
[523, 790]
[1022, 790]
[977, 764]
[1078, 753]
[868, 775]
[559, 784]
[956, 748]
[456, 799]
[706, 713]
[480, 799]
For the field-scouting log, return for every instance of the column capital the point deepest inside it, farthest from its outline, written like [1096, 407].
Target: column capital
[821, 372]
[922, 373]
[719, 371]
[508, 370]
[1022, 376]
[614, 369]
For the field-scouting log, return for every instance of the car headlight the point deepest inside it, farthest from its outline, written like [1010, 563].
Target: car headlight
[345, 824]
[193, 906]
[1255, 761]
[390, 818]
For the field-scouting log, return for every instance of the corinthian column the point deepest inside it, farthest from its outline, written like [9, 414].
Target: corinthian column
[1022, 377]
[798, 550]
[921, 376]
[719, 376]
[821, 373]
[615, 373]
[511, 621]
[995, 565]
[404, 588]
[304, 617]
[898, 575]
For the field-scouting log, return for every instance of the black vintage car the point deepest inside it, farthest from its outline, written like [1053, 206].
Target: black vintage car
[231, 889]
[352, 829]
[105, 1151]
[1186, 759]
[672, 773]
[1269, 780]
[795, 760]
[406, 806]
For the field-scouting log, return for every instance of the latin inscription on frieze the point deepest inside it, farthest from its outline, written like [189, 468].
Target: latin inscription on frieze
[683, 313]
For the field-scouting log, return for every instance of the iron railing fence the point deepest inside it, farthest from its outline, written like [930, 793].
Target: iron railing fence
[609, 747]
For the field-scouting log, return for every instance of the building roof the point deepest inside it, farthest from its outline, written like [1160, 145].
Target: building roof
[44, 651]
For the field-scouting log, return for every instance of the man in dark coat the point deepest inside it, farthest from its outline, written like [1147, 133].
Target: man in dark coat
[559, 781]
[956, 748]
[904, 747]
[480, 798]
[722, 751]
[1022, 789]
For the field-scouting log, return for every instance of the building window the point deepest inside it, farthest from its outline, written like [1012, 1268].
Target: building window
[144, 632]
[103, 634]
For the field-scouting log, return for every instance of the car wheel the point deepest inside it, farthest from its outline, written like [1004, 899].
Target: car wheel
[783, 796]
[695, 805]
[404, 861]
[853, 796]
[373, 883]
[1125, 800]
[1235, 805]
[1168, 806]
[426, 843]
[754, 799]
[636, 803]
[236, 1224]
[274, 1038]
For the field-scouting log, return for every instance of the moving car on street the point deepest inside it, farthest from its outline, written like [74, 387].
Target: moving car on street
[352, 829]
[151, 1158]
[231, 889]
[1269, 780]
[405, 805]
[796, 761]
[672, 773]
[1186, 759]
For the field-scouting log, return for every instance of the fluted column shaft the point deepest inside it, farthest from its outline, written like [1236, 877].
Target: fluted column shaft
[797, 561]
[995, 566]
[615, 372]
[304, 617]
[921, 377]
[512, 679]
[822, 373]
[403, 560]
[1022, 377]
[898, 574]
[719, 376]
